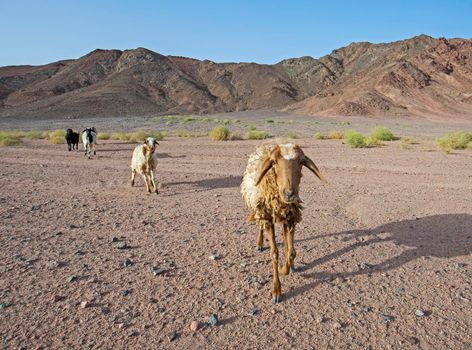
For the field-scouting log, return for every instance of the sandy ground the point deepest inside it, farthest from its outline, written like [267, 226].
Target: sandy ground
[389, 237]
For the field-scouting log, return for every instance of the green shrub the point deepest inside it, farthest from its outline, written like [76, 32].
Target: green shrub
[219, 133]
[269, 121]
[121, 136]
[382, 134]
[9, 138]
[251, 127]
[292, 135]
[36, 135]
[372, 142]
[257, 135]
[354, 139]
[454, 140]
[103, 136]
[57, 136]
[318, 136]
[335, 135]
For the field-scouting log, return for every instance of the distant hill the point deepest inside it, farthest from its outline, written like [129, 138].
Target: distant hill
[421, 76]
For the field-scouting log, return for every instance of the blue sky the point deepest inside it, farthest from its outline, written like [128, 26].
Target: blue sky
[42, 31]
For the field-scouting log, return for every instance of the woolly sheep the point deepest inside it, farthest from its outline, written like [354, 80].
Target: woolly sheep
[270, 189]
[144, 162]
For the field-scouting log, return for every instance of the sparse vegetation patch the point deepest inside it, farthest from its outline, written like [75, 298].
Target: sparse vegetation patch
[219, 133]
[382, 134]
[335, 135]
[354, 139]
[454, 140]
[257, 135]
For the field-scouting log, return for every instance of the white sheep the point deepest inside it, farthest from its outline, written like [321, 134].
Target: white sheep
[89, 138]
[270, 189]
[144, 162]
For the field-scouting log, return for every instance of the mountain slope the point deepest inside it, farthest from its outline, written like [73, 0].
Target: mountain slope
[421, 76]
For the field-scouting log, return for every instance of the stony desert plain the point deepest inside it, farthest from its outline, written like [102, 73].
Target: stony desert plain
[87, 261]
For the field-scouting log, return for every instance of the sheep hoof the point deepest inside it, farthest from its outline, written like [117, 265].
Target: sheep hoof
[292, 269]
[276, 299]
[259, 249]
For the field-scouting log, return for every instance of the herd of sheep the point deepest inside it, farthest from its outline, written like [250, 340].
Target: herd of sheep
[270, 189]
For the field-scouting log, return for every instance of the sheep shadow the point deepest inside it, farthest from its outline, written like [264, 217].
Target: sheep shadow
[209, 184]
[440, 236]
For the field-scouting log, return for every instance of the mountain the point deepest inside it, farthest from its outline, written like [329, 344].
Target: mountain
[421, 76]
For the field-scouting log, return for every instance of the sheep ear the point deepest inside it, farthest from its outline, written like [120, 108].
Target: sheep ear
[266, 166]
[312, 166]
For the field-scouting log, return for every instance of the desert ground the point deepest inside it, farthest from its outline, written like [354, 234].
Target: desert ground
[384, 251]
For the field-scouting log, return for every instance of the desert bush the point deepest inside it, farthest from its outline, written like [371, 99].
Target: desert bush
[454, 140]
[269, 121]
[137, 136]
[372, 142]
[103, 136]
[257, 135]
[219, 133]
[251, 127]
[406, 142]
[9, 138]
[354, 139]
[57, 136]
[318, 136]
[292, 135]
[335, 135]
[36, 135]
[121, 136]
[382, 134]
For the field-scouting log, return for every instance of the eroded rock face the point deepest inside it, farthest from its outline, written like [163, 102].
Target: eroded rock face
[419, 76]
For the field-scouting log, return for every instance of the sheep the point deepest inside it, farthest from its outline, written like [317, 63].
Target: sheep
[270, 189]
[72, 139]
[89, 138]
[144, 162]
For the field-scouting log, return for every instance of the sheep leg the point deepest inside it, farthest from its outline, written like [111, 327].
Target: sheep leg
[153, 182]
[285, 270]
[146, 180]
[133, 175]
[260, 238]
[274, 254]
[290, 253]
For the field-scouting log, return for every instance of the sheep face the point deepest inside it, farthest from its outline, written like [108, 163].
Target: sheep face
[287, 161]
[150, 145]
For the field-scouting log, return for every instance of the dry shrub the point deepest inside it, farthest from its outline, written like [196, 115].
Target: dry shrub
[335, 135]
[454, 140]
[219, 133]
[57, 136]
[257, 135]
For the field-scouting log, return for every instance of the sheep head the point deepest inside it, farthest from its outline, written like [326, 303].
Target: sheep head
[150, 145]
[287, 161]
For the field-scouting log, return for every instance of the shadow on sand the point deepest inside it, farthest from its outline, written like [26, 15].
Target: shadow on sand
[441, 236]
[209, 184]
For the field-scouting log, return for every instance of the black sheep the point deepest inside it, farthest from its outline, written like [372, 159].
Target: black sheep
[72, 139]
